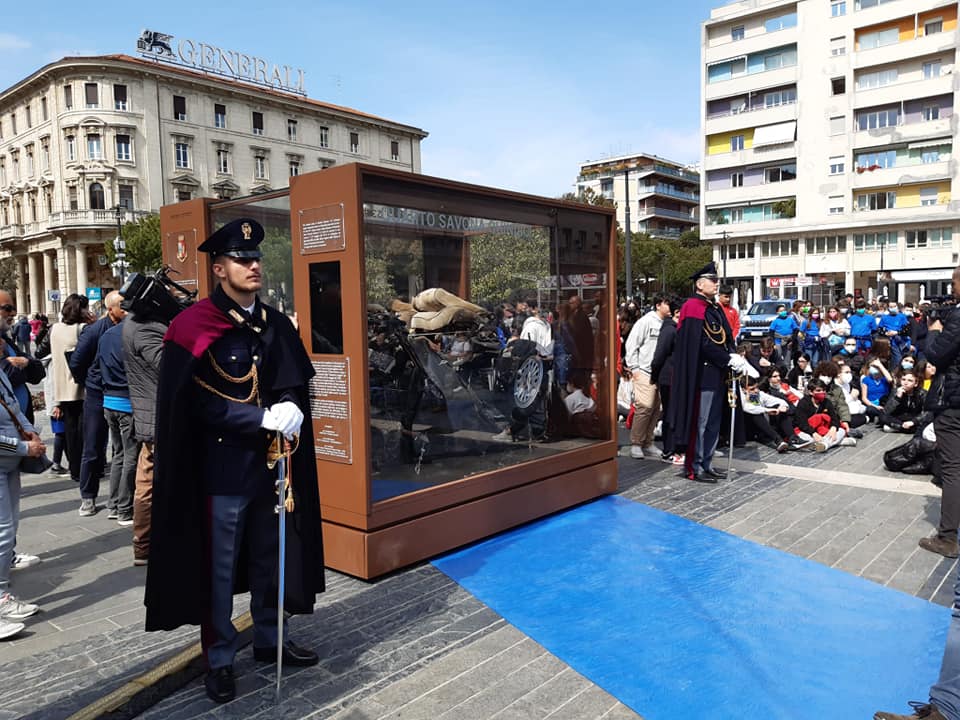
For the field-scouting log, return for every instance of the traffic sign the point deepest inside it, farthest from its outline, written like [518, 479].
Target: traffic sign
[53, 295]
[93, 293]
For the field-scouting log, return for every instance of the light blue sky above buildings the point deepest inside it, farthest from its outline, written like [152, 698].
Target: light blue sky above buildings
[513, 94]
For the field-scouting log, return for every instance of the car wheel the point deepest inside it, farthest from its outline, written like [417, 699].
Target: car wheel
[527, 383]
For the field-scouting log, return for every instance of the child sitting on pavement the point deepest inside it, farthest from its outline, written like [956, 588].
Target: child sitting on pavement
[875, 386]
[903, 411]
[776, 386]
[816, 419]
[767, 418]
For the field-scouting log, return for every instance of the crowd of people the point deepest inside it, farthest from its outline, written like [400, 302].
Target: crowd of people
[812, 382]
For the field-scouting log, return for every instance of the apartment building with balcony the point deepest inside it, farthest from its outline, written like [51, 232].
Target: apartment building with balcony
[84, 135]
[828, 133]
[664, 195]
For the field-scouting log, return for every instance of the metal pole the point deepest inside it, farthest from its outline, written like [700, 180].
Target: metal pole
[282, 553]
[723, 255]
[627, 271]
[734, 393]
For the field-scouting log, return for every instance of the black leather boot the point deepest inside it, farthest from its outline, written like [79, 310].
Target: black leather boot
[220, 685]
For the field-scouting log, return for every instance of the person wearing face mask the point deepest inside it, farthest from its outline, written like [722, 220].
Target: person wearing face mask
[767, 418]
[810, 331]
[894, 325]
[903, 411]
[783, 327]
[827, 372]
[862, 325]
[851, 396]
[775, 386]
[875, 384]
[849, 355]
[834, 330]
[816, 419]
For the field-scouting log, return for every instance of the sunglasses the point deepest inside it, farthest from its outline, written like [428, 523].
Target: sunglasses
[8, 308]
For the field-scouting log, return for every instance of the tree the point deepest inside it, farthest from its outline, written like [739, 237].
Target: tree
[9, 276]
[589, 197]
[691, 238]
[786, 208]
[502, 265]
[144, 252]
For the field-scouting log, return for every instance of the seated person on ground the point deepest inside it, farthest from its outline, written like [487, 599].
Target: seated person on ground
[816, 419]
[766, 356]
[779, 388]
[903, 411]
[875, 384]
[801, 371]
[767, 418]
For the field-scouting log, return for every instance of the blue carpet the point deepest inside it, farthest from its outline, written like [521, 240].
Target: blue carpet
[678, 620]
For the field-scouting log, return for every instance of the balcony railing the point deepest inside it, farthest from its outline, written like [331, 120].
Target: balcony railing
[730, 112]
[8, 232]
[661, 189]
[664, 212]
[70, 218]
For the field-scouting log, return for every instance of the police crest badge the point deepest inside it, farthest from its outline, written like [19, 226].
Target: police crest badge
[181, 249]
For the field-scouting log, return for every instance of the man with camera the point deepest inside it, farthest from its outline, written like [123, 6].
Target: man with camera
[943, 350]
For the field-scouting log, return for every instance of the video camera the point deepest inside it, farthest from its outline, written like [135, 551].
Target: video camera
[155, 296]
[940, 308]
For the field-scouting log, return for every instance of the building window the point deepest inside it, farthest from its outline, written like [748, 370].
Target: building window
[260, 167]
[606, 188]
[179, 107]
[781, 22]
[780, 97]
[838, 46]
[3, 172]
[13, 122]
[878, 119]
[258, 123]
[931, 69]
[44, 115]
[780, 248]
[874, 241]
[882, 200]
[184, 195]
[94, 147]
[877, 79]
[73, 197]
[28, 151]
[91, 95]
[736, 143]
[928, 196]
[838, 86]
[876, 160]
[219, 115]
[838, 125]
[781, 59]
[931, 112]
[394, 150]
[44, 154]
[930, 156]
[71, 147]
[15, 163]
[826, 244]
[27, 116]
[933, 26]
[736, 179]
[294, 168]
[68, 97]
[123, 148]
[865, 4]
[291, 130]
[737, 33]
[880, 38]
[126, 197]
[933, 238]
[120, 97]
[182, 153]
[97, 199]
[835, 206]
[223, 161]
[838, 8]
[48, 200]
[780, 174]
[736, 215]
[836, 165]
[354, 142]
[325, 163]
[324, 136]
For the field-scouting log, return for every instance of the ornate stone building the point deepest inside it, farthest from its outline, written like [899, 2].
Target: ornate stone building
[84, 136]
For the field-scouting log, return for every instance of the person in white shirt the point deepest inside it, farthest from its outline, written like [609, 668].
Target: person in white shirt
[640, 347]
[538, 330]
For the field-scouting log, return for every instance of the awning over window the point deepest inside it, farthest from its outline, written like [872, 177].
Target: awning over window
[929, 143]
[778, 134]
[921, 275]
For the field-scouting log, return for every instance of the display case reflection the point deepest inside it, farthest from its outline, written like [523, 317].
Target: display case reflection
[481, 346]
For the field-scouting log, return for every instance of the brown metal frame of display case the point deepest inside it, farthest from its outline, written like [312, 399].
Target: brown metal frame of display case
[367, 539]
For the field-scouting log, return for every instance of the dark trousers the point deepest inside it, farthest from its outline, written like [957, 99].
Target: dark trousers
[94, 445]
[58, 443]
[666, 431]
[761, 428]
[230, 519]
[72, 414]
[947, 427]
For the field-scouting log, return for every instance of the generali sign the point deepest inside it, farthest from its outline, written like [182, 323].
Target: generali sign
[213, 59]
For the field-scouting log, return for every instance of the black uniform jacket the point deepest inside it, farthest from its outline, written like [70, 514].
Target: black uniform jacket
[177, 575]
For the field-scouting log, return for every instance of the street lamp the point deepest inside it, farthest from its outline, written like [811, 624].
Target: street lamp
[723, 255]
[119, 247]
[628, 240]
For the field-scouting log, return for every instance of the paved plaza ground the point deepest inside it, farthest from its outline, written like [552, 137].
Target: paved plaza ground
[417, 645]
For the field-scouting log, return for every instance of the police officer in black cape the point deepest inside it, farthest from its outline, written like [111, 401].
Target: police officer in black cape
[703, 353]
[233, 374]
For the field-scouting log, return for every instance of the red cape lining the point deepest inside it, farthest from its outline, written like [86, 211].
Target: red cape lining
[198, 327]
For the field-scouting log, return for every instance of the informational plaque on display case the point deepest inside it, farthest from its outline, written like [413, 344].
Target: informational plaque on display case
[321, 229]
[330, 407]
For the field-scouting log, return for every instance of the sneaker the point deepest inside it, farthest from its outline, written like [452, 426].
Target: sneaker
[939, 545]
[57, 469]
[848, 442]
[13, 609]
[783, 446]
[636, 452]
[679, 459]
[856, 434]
[112, 514]
[819, 446]
[125, 521]
[798, 443]
[22, 560]
[88, 507]
[887, 428]
[928, 711]
[9, 629]
[504, 436]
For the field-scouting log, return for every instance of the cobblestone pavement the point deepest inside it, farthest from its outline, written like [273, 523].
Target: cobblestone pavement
[414, 644]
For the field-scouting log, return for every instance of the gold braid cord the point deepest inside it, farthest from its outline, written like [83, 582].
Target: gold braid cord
[277, 448]
[251, 376]
[717, 335]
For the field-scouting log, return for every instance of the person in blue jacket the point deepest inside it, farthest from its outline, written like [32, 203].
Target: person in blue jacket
[862, 325]
[783, 328]
[894, 325]
[810, 329]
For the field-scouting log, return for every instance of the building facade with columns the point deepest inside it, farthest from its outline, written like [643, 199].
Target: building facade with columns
[828, 134]
[83, 136]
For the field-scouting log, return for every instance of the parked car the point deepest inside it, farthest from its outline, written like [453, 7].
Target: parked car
[755, 323]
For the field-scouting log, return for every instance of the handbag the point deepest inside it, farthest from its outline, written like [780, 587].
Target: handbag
[29, 465]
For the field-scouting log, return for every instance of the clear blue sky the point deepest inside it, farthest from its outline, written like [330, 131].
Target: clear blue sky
[513, 94]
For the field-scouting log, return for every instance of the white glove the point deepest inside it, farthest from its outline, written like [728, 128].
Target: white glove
[289, 418]
[269, 421]
[737, 362]
[750, 370]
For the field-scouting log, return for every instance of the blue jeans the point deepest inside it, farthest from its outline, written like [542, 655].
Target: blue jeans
[708, 428]
[945, 694]
[9, 519]
[94, 445]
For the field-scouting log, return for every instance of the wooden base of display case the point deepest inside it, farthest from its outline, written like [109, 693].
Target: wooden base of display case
[370, 554]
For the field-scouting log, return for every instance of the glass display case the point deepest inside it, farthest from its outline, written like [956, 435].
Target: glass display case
[463, 341]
